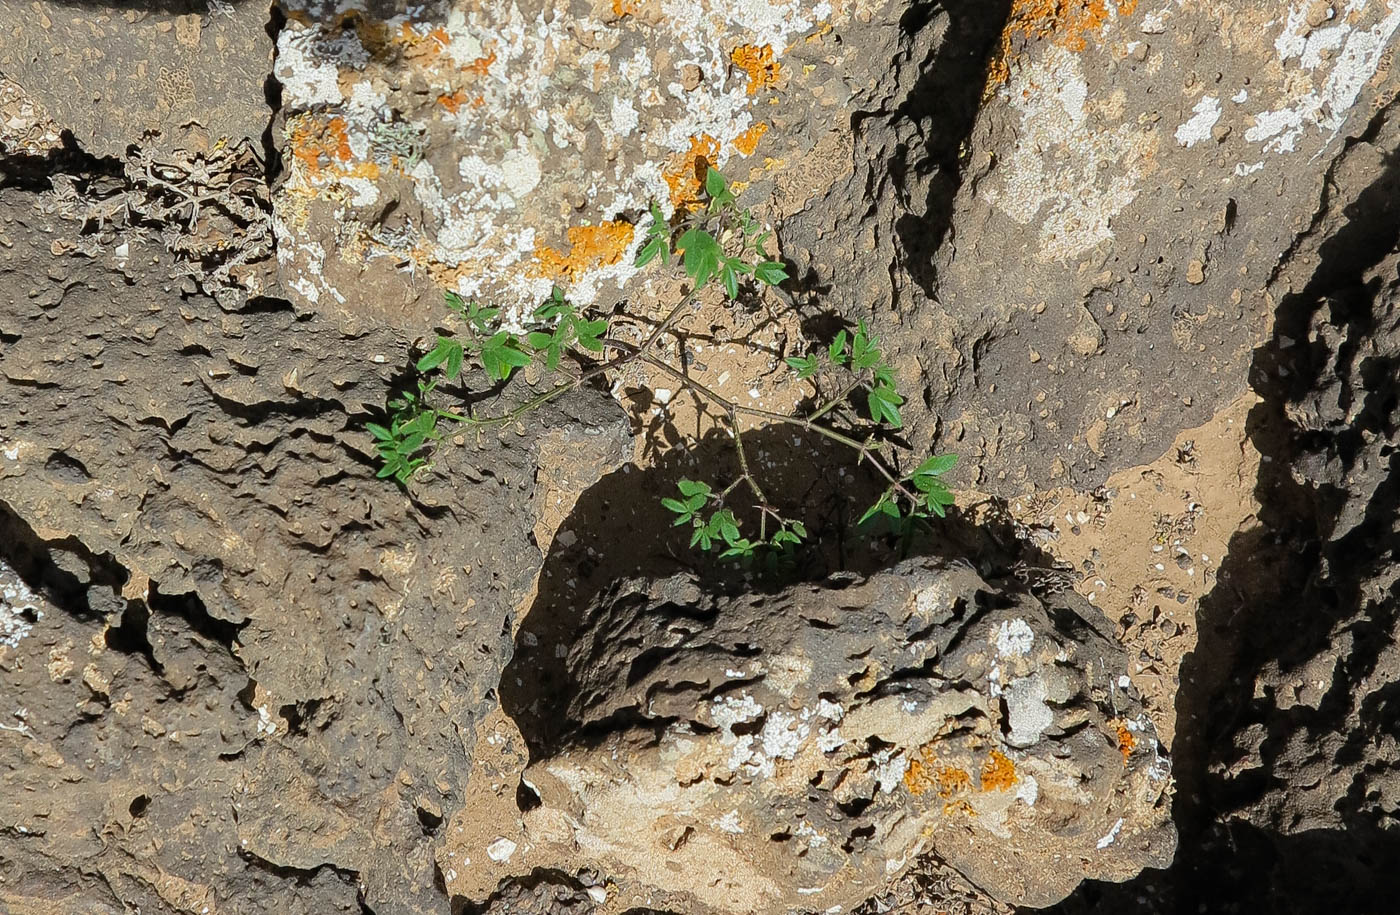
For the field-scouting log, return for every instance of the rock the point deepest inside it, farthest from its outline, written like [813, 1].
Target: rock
[1308, 765]
[200, 518]
[497, 152]
[1073, 172]
[180, 74]
[801, 749]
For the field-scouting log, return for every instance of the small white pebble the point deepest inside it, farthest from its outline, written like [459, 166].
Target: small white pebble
[500, 850]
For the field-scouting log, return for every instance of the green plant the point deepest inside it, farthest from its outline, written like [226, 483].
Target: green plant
[857, 405]
[412, 429]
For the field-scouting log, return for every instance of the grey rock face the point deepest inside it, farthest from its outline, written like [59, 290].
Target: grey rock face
[792, 751]
[184, 73]
[193, 466]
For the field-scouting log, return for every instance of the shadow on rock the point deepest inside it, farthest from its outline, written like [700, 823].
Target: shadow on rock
[933, 123]
[1287, 758]
[618, 530]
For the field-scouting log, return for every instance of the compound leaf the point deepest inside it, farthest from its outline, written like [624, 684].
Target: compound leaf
[770, 272]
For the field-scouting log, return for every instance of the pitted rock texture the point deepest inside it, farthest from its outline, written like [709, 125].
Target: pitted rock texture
[210, 464]
[1323, 725]
[1307, 762]
[1070, 248]
[792, 751]
[1286, 752]
[186, 73]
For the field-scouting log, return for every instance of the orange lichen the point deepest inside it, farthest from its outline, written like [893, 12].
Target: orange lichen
[962, 807]
[590, 247]
[323, 149]
[747, 141]
[319, 144]
[481, 66]
[998, 772]
[1068, 23]
[927, 773]
[622, 8]
[757, 61]
[422, 46]
[453, 102]
[685, 176]
[1126, 741]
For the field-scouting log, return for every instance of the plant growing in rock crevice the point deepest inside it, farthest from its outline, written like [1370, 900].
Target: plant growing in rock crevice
[857, 405]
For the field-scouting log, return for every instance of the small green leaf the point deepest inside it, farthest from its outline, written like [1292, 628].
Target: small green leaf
[728, 529]
[805, 366]
[692, 488]
[770, 272]
[549, 311]
[731, 281]
[674, 505]
[501, 354]
[738, 548]
[702, 255]
[936, 465]
[588, 333]
[883, 506]
[434, 357]
[658, 225]
[650, 250]
[883, 403]
[836, 352]
[715, 185]
[378, 431]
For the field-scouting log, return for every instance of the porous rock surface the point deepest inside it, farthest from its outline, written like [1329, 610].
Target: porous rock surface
[1074, 208]
[1311, 759]
[270, 665]
[236, 675]
[176, 73]
[1072, 256]
[789, 751]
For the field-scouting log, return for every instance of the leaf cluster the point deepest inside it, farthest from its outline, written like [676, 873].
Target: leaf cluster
[930, 495]
[858, 355]
[718, 241]
[413, 426]
[719, 530]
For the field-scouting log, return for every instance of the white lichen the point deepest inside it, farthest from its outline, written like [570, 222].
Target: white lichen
[1198, 128]
[1354, 56]
[307, 78]
[730, 823]
[19, 607]
[1014, 638]
[1064, 173]
[1108, 839]
[1028, 714]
